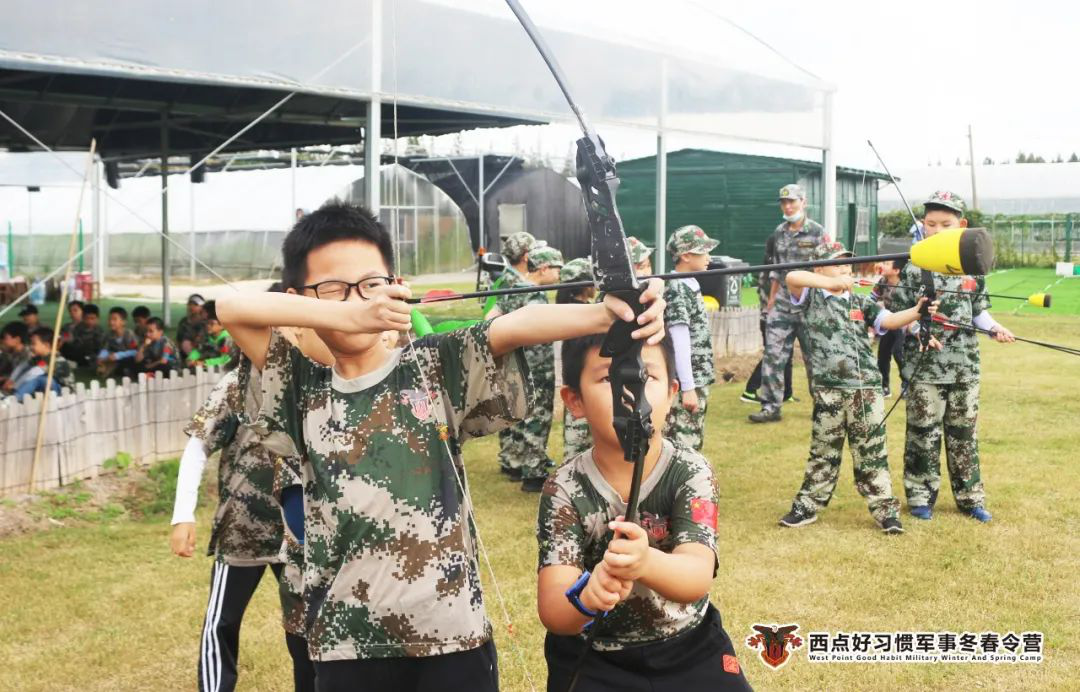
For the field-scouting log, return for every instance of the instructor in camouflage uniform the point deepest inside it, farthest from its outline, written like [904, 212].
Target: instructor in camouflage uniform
[524, 453]
[943, 384]
[796, 239]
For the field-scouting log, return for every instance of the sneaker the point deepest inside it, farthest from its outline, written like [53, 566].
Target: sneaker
[791, 399]
[892, 525]
[533, 485]
[903, 390]
[765, 416]
[797, 517]
[980, 514]
[886, 391]
[924, 512]
[511, 474]
[749, 398]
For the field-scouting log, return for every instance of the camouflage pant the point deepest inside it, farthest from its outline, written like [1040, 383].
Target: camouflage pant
[685, 428]
[524, 446]
[782, 327]
[577, 437]
[931, 408]
[855, 414]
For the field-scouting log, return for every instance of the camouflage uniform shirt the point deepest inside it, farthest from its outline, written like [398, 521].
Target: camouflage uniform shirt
[88, 339]
[289, 472]
[117, 343]
[678, 505]
[248, 528]
[840, 352]
[540, 357]
[794, 247]
[685, 306]
[958, 360]
[389, 554]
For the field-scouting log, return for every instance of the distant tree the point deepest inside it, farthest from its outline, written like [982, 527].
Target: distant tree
[1036, 159]
[1074, 158]
[1021, 157]
[458, 148]
[988, 161]
[1058, 159]
[957, 161]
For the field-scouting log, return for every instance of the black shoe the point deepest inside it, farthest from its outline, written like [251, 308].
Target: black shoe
[511, 474]
[886, 391]
[533, 485]
[765, 416]
[892, 525]
[797, 517]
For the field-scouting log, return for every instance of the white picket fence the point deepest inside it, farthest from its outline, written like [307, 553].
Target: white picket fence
[90, 424]
[735, 331]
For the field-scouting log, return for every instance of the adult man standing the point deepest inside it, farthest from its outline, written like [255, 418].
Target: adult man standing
[796, 239]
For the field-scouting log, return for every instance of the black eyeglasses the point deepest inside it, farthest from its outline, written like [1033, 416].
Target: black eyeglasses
[340, 290]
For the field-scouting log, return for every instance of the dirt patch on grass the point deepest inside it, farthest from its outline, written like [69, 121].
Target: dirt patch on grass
[126, 491]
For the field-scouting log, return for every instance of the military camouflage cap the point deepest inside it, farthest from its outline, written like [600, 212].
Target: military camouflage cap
[517, 244]
[690, 239]
[831, 250]
[792, 191]
[579, 269]
[544, 254]
[949, 200]
[639, 251]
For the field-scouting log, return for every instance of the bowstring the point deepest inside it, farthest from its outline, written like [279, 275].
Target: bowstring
[461, 477]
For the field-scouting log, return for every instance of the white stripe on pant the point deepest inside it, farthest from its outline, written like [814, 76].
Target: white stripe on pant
[211, 653]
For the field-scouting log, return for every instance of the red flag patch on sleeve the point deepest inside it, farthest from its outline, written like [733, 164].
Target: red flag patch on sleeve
[968, 284]
[703, 511]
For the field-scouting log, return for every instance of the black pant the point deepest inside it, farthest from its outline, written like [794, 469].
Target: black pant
[755, 377]
[700, 659]
[890, 346]
[475, 670]
[231, 588]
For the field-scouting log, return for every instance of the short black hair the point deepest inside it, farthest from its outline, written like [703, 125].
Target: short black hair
[75, 302]
[140, 311]
[18, 330]
[333, 221]
[276, 287]
[90, 309]
[156, 322]
[118, 311]
[44, 334]
[210, 308]
[930, 206]
[574, 351]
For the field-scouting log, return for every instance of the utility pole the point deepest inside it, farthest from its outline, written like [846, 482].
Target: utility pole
[971, 159]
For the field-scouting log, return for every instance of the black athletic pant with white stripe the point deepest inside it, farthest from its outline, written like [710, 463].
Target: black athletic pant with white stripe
[231, 588]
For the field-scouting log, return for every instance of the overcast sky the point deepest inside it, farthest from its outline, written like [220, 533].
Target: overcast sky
[912, 76]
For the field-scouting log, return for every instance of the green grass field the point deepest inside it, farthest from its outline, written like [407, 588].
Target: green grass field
[102, 605]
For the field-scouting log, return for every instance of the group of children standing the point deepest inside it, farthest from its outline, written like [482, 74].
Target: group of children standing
[352, 450]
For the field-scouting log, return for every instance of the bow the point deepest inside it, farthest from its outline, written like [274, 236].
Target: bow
[614, 274]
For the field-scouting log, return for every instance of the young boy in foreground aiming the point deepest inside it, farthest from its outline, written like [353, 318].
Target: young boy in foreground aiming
[667, 635]
[848, 399]
[391, 584]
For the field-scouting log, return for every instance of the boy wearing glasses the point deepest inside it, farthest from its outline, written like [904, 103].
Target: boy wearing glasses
[391, 586]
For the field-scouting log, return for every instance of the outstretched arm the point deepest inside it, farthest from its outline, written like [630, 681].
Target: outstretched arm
[541, 324]
[249, 317]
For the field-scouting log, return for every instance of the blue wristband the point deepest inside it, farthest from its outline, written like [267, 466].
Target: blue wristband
[573, 594]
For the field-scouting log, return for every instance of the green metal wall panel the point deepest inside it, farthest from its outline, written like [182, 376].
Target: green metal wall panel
[733, 197]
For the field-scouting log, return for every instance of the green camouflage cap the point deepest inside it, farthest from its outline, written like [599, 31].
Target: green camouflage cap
[544, 254]
[639, 251]
[949, 200]
[517, 244]
[831, 250]
[792, 191]
[690, 239]
[578, 269]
